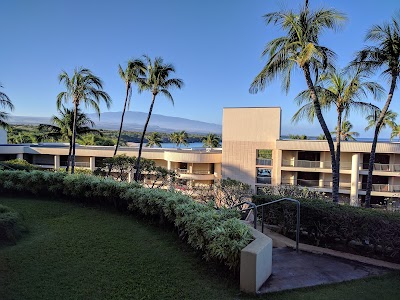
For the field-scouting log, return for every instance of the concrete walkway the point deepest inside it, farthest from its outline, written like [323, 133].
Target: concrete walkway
[291, 270]
[314, 266]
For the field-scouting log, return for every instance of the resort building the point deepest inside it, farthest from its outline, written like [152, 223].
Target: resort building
[252, 152]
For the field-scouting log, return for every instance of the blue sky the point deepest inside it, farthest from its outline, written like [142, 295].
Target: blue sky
[214, 45]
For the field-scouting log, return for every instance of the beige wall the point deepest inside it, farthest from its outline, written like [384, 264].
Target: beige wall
[244, 130]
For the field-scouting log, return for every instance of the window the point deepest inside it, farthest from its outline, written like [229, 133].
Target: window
[264, 157]
[263, 176]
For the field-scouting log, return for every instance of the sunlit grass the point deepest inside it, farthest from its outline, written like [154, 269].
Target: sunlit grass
[75, 252]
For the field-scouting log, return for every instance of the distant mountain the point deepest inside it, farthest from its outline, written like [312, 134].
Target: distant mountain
[134, 121]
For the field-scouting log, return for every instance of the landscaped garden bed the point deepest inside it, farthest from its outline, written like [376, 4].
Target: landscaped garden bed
[362, 231]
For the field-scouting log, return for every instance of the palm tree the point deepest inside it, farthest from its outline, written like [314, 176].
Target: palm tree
[342, 90]
[63, 125]
[389, 119]
[84, 87]
[345, 132]
[179, 138]
[157, 81]
[130, 75]
[211, 140]
[321, 137]
[300, 48]
[154, 139]
[395, 132]
[385, 53]
[5, 102]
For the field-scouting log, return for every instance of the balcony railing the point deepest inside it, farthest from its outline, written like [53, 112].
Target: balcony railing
[316, 183]
[263, 180]
[195, 172]
[384, 167]
[264, 161]
[301, 163]
[77, 164]
[314, 164]
[383, 188]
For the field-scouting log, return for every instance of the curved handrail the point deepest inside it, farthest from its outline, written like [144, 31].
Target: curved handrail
[252, 206]
[297, 215]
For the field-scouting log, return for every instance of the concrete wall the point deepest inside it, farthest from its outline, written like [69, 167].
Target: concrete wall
[255, 263]
[244, 130]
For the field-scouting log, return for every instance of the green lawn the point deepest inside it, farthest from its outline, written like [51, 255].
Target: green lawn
[75, 252]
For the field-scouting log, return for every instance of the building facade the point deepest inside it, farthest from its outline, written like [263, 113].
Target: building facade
[252, 152]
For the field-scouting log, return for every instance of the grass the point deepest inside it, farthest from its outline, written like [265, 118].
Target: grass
[75, 252]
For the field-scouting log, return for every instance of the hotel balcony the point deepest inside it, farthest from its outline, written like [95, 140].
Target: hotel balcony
[263, 162]
[295, 165]
[195, 174]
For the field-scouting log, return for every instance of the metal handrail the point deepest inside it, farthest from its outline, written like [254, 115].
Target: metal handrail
[297, 215]
[252, 206]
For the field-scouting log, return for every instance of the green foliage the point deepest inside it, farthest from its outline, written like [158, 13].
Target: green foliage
[219, 234]
[18, 164]
[211, 140]
[353, 229]
[298, 137]
[264, 153]
[10, 226]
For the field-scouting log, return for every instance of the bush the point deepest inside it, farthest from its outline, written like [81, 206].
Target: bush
[10, 226]
[18, 164]
[219, 234]
[352, 229]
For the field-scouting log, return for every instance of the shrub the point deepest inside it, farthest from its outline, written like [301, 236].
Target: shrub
[10, 226]
[18, 164]
[219, 234]
[352, 229]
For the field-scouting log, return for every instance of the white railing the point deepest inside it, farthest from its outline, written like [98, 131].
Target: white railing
[386, 188]
[198, 172]
[77, 164]
[314, 164]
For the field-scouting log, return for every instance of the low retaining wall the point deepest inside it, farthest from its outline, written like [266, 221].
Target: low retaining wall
[255, 262]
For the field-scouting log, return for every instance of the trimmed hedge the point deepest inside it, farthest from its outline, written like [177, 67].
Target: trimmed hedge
[352, 229]
[10, 226]
[219, 234]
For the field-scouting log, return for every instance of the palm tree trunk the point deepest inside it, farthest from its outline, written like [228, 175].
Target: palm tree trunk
[74, 138]
[338, 139]
[137, 174]
[122, 117]
[120, 126]
[317, 107]
[69, 154]
[375, 140]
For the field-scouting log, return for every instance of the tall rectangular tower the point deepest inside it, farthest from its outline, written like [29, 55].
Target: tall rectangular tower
[249, 151]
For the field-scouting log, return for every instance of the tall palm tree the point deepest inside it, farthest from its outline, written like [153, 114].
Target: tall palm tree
[395, 132]
[84, 87]
[179, 138]
[389, 119]
[157, 81]
[342, 90]
[345, 132]
[63, 125]
[300, 48]
[154, 139]
[130, 75]
[211, 140]
[385, 53]
[5, 103]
